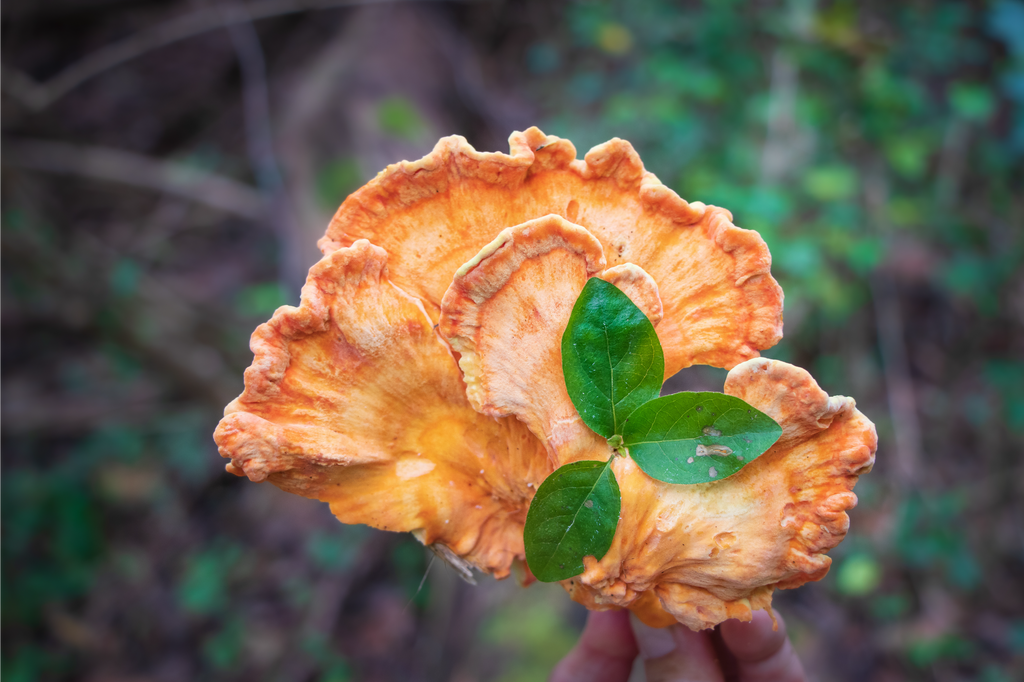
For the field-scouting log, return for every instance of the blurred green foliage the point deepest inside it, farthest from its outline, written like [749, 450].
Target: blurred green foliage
[858, 575]
[203, 587]
[337, 550]
[261, 300]
[399, 117]
[52, 517]
[56, 521]
[784, 114]
[533, 631]
[932, 533]
[223, 650]
[336, 180]
[926, 652]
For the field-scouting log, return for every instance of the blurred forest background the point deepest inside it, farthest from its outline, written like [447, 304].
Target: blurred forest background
[168, 166]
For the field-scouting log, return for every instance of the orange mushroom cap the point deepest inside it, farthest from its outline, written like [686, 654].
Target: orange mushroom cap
[418, 386]
[721, 304]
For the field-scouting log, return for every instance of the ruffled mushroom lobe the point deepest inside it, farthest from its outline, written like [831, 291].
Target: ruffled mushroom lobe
[505, 313]
[714, 551]
[352, 399]
[720, 303]
[639, 286]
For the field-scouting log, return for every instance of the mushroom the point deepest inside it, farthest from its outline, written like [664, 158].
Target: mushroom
[418, 386]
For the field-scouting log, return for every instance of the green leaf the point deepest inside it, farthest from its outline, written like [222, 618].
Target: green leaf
[573, 515]
[697, 437]
[611, 358]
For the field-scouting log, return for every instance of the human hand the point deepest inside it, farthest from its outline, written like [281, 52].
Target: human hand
[745, 652]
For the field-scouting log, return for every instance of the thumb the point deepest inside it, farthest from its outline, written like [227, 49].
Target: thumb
[676, 654]
[604, 653]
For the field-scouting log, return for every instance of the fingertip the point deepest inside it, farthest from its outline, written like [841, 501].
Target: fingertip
[676, 653]
[755, 640]
[762, 653]
[652, 642]
[610, 631]
[604, 653]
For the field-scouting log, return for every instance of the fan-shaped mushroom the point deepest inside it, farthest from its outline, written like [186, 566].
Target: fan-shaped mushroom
[473, 262]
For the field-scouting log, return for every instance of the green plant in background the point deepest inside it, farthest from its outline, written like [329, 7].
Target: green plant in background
[613, 366]
[930, 534]
[858, 575]
[337, 550]
[223, 650]
[336, 179]
[398, 116]
[53, 519]
[261, 300]
[203, 588]
[533, 630]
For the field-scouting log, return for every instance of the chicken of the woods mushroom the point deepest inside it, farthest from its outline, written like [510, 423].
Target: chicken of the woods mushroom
[418, 386]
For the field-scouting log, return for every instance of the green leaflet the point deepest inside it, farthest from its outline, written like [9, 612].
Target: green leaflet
[611, 358]
[573, 515]
[697, 437]
[613, 366]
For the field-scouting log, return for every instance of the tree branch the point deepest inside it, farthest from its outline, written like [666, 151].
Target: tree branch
[259, 138]
[136, 170]
[38, 96]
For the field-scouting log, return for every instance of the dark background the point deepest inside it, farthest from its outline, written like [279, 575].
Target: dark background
[168, 166]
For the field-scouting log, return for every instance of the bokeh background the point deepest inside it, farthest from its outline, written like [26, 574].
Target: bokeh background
[168, 166]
